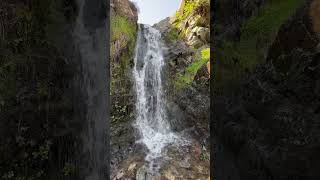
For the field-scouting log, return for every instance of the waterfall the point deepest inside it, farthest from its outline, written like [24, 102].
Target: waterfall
[151, 121]
[90, 38]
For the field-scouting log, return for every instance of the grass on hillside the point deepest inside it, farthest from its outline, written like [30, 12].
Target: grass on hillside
[257, 34]
[125, 32]
[121, 26]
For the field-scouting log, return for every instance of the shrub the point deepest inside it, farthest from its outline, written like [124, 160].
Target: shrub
[192, 69]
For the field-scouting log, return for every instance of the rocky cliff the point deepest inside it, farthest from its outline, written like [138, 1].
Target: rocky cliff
[124, 17]
[186, 36]
[265, 124]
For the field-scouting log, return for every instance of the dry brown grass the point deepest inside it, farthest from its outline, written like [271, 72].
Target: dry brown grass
[315, 15]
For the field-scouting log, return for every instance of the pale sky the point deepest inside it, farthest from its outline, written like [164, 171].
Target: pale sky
[153, 11]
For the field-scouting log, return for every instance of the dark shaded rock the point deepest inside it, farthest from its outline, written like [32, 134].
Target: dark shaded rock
[295, 34]
[188, 108]
[230, 14]
[268, 125]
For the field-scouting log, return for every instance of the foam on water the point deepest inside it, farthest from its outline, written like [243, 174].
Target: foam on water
[151, 121]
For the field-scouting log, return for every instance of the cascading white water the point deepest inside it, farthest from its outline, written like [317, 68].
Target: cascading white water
[151, 121]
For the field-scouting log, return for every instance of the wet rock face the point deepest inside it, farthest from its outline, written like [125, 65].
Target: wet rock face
[187, 107]
[268, 123]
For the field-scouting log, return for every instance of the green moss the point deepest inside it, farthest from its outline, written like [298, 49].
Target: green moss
[121, 26]
[192, 69]
[269, 20]
[205, 54]
[233, 59]
[124, 32]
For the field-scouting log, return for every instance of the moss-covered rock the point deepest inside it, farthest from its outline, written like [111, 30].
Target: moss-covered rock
[123, 35]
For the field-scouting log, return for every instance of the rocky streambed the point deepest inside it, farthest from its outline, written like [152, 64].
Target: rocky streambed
[186, 162]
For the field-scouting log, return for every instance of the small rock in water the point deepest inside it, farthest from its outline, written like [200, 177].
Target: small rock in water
[119, 175]
[169, 175]
[132, 167]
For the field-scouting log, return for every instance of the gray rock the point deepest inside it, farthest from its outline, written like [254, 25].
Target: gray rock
[176, 116]
[195, 42]
[141, 173]
[204, 33]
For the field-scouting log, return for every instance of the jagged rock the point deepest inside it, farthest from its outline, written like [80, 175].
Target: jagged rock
[194, 21]
[163, 25]
[198, 36]
[194, 41]
[203, 33]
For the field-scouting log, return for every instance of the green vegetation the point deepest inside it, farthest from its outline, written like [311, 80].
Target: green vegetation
[257, 34]
[192, 69]
[193, 6]
[199, 12]
[172, 35]
[121, 26]
[123, 39]
[199, 8]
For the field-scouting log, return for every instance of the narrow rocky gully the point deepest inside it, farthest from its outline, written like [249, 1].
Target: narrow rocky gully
[160, 96]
